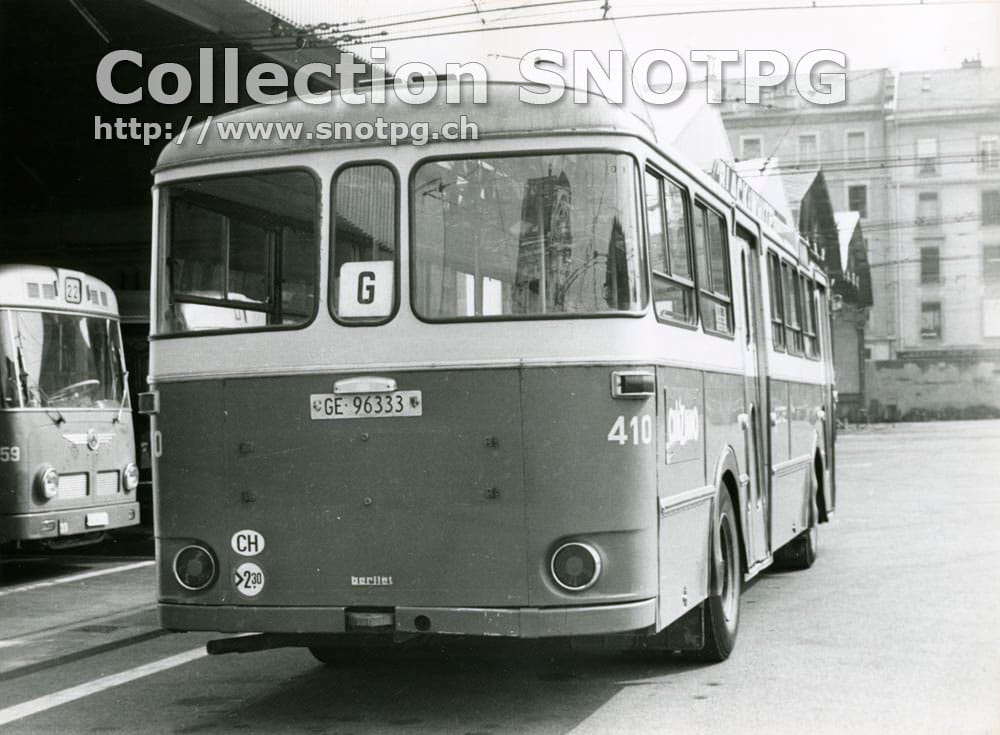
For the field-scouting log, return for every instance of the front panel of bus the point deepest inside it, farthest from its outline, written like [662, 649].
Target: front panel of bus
[414, 387]
[67, 454]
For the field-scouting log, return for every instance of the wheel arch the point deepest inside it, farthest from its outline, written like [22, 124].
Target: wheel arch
[725, 478]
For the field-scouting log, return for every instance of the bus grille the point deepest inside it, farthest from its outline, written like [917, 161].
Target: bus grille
[107, 483]
[73, 486]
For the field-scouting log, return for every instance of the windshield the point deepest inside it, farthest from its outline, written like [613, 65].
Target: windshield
[526, 236]
[52, 360]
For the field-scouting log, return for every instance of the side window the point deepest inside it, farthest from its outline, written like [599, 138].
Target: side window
[713, 271]
[793, 321]
[777, 302]
[363, 244]
[809, 317]
[241, 252]
[669, 251]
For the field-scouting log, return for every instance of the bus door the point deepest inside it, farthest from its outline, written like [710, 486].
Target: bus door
[751, 420]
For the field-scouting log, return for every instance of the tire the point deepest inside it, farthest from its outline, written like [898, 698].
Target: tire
[722, 612]
[801, 552]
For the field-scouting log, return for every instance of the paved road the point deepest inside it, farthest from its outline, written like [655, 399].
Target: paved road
[893, 631]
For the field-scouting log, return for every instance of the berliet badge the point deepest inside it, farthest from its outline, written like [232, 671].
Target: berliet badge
[375, 581]
[92, 440]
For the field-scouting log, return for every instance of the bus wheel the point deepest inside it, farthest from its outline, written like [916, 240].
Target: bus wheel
[801, 551]
[722, 611]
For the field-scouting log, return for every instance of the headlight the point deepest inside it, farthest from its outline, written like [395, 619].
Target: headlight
[194, 567]
[47, 482]
[130, 477]
[576, 566]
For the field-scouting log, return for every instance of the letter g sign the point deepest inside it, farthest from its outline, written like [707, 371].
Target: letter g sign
[365, 290]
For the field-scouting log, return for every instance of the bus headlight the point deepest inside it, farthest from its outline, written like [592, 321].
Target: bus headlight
[575, 566]
[130, 477]
[194, 567]
[47, 482]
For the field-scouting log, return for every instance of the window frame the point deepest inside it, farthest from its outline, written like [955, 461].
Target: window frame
[706, 289]
[995, 220]
[847, 146]
[940, 319]
[847, 195]
[794, 340]
[776, 299]
[692, 285]
[994, 158]
[988, 276]
[164, 231]
[923, 168]
[810, 326]
[643, 268]
[925, 278]
[397, 234]
[814, 134]
[935, 218]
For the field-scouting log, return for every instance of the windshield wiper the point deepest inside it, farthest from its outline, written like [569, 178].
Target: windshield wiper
[24, 375]
[121, 406]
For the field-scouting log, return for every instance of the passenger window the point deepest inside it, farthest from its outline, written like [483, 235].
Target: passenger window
[669, 250]
[713, 271]
[241, 252]
[793, 323]
[363, 248]
[777, 303]
[809, 317]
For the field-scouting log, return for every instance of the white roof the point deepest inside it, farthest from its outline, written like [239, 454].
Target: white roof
[846, 224]
[43, 287]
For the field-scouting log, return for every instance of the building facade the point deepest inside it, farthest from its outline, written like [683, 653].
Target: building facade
[917, 156]
[945, 131]
[848, 141]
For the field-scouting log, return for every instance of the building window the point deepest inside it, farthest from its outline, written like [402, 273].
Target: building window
[991, 262]
[808, 149]
[928, 209]
[930, 320]
[989, 153]
[857, 145]
[927, 156]
[991, 207]
[857, 199]
[750, 147]
[930, 264]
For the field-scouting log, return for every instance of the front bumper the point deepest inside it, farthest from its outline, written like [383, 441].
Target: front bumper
[506, 622]
[61, 523]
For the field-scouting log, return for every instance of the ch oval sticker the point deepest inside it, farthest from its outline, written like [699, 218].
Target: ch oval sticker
[247, 542]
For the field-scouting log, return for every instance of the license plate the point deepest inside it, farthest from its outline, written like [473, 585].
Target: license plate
[97, 519]
[366, 405]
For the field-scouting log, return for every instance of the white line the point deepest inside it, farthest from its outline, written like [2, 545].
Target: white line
[76, 577]
[34, 706]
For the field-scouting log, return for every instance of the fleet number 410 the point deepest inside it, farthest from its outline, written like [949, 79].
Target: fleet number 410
[638, 429]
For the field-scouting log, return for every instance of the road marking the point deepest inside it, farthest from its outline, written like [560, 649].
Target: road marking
[76, 577]
[41, 704]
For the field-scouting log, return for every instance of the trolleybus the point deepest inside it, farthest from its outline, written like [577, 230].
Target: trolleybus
[553, 382]
[67, 454]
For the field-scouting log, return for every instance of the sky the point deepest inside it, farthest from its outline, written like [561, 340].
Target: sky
[904, 37]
